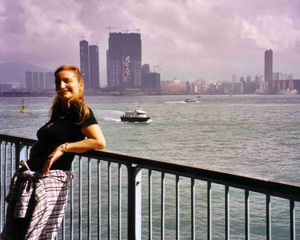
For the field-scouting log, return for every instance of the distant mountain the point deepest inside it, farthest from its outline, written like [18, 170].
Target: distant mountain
[15, 71]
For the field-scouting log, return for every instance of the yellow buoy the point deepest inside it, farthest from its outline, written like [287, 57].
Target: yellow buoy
[23, 110]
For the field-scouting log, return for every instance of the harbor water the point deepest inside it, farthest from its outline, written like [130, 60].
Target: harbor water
[252, 135]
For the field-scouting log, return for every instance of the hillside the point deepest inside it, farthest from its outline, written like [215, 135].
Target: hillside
[15, 71]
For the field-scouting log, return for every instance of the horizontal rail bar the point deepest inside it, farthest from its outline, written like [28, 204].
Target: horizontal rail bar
[266, 186]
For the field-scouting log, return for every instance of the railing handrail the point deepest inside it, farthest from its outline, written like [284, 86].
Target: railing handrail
[267, 186]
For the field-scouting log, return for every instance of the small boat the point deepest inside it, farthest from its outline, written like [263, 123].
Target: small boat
[138, 115]
[23, 110]
[191, 100]
[288, 92]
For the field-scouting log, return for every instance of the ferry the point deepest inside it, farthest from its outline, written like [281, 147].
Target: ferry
[138, 115]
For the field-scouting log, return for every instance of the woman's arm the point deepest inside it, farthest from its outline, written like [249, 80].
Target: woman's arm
[95, 140]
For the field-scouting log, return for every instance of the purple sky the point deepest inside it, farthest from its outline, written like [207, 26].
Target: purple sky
[188, 39]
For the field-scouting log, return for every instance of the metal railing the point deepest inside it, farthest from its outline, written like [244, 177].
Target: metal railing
[116, 196]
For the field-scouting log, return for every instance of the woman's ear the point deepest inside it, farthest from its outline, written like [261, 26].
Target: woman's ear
[81, 85]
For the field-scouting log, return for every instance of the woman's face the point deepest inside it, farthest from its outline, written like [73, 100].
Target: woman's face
[67, 84]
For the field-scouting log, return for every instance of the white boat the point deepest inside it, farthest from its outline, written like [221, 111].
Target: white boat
[191, 100]
[138, 115]
[288, 92]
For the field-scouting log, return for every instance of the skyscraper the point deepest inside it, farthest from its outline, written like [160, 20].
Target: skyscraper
[124, 56]
[89, 65]
[29, 81]
[94, 67]
[268, 65]
[84, 62]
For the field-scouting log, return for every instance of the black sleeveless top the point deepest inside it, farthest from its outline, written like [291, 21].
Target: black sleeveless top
[51, 136]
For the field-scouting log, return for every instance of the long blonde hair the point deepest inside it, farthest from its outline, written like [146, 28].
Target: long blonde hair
[77, 101]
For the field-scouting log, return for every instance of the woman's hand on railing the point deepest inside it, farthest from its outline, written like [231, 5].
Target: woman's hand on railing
[53, 157]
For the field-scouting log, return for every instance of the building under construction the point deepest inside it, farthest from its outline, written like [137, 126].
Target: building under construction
[124, 57]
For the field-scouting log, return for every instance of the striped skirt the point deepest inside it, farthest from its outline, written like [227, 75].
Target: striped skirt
[36, 205]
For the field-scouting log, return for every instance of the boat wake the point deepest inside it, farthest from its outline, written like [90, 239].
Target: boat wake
[109, 119]
[176, 102]
[149, 121]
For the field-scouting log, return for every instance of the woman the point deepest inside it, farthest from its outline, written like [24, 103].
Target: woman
[38, 196]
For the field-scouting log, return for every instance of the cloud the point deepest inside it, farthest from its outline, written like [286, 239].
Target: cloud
[211, 39]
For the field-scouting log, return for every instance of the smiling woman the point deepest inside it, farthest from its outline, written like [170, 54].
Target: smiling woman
[68, 84]
[71, 129]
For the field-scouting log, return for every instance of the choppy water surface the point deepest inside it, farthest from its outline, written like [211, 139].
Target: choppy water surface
[252, 135]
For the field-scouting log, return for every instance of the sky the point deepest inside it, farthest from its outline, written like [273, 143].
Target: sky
[186, 39]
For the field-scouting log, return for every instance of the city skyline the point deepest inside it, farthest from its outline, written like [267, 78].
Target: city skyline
[186, 39]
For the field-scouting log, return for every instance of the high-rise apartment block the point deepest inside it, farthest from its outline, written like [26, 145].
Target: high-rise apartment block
[39, 81]
[84, 62]
[124, 56]
[29, 81]
[94, 67]
[89, 65]
[268, 65]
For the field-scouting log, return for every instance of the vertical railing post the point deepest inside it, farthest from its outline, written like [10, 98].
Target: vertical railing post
[193, 229]
[247, 215]
[227, 213]
[99, 197]
[177, 208]
[21, 152]
[209, 237]
[1, 174]
[120, 201]
[163, 200]
[268, 210]
[150, 205]
[292, 220]
[134, 202]
[109, 200]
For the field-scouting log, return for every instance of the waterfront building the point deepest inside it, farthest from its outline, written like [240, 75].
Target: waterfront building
[145, 68]
[228, 88]
[248, 79]
[199, 86]
[35, 81]
[238, 87]
[268, 65]
[151, 83]
[89, 65]
[174, 86]
[233, 78]
[124, 56]
[29, 82]
[41, 81]
[49, 81]
[257, 80]
[84, 62]
[5, 87]
[94, 67]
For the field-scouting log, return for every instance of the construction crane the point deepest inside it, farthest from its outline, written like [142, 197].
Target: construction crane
[128, 30]
[156, 67]
[110, 28]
